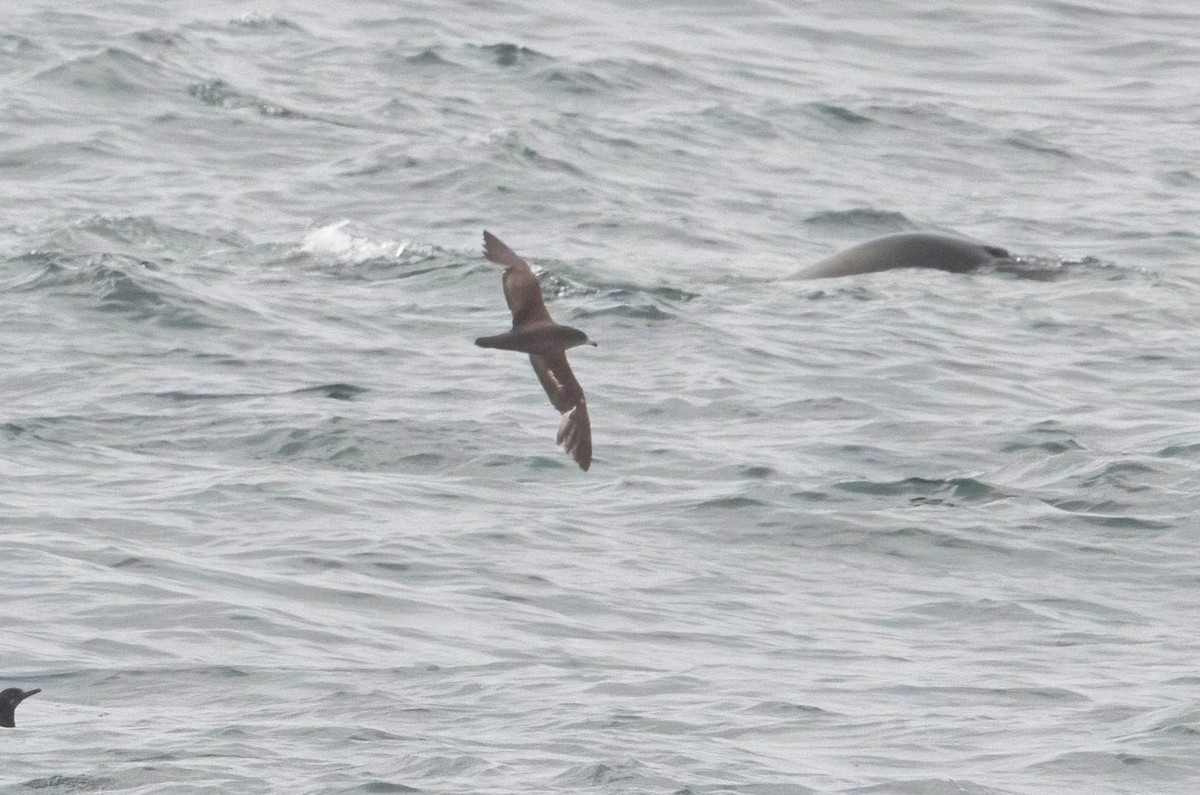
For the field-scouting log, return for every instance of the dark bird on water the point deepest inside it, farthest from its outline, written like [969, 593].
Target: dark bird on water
[546, 342]
[9, 699]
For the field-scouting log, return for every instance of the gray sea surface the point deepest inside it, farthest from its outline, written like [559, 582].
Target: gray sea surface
[271, 522]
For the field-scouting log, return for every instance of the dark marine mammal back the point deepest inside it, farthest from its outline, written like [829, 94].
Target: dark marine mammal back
[906, 250]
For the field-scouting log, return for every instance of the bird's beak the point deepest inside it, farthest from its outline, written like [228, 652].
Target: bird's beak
[29, 693]
[593, 344]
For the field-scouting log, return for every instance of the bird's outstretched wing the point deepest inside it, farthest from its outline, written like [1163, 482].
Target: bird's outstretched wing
[575, 428]
[521, 288]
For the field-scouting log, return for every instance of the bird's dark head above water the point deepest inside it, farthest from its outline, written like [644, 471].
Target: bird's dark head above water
[9, 699]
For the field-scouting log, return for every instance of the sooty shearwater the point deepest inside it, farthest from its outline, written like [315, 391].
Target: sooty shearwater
[546, 342]
[9, 699]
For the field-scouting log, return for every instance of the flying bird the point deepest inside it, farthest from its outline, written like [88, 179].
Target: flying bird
[535, 332]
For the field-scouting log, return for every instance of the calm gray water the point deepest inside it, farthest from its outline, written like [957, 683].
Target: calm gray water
[272, 523]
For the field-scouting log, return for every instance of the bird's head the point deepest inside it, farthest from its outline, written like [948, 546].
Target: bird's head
[573, 336]
[9, 699]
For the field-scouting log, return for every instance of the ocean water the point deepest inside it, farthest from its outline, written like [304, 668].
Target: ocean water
[272, 523]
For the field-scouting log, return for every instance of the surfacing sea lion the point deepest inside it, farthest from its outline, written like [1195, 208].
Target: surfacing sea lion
[906, 250]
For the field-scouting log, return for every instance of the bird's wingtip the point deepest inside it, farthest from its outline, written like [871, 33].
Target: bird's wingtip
[491, 245]
[575, 434]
